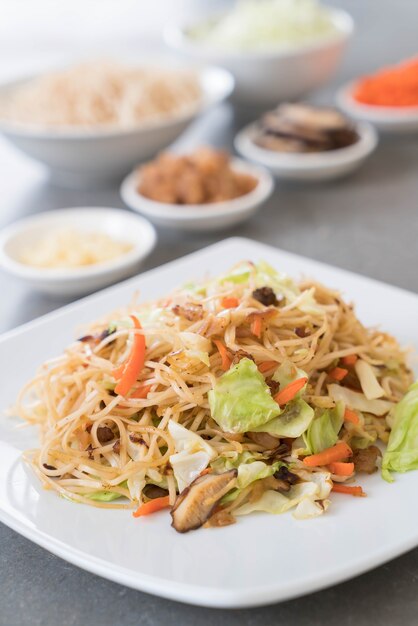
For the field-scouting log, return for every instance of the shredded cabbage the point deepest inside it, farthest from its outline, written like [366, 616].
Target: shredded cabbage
[304, 496]
[368, 381]
[401, 453]
[358, 401]
[197, 347]
[192, 456]
[264, 24]
[241, 400]
[323, 430]
[293, 422]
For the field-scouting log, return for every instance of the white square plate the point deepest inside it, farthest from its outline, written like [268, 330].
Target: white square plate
[261, 559]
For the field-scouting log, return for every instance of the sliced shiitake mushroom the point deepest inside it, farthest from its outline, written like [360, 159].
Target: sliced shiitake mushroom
[154, 491]
[303, 128]
[265, 440]
[366, 460]
[320, 118]
[196, 503]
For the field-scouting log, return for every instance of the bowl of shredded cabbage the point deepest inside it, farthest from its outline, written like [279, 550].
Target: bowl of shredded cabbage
[275, 49]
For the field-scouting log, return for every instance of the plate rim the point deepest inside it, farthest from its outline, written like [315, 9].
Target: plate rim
[209, 597]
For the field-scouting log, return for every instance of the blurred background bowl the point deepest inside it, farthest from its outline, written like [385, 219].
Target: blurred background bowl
[91, 157]
[264, 78]
[306, 167]
[116, 223]
[384, 118]
[201, 217]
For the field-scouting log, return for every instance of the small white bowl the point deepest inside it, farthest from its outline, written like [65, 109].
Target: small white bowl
[386, 119]
[91, 157]
[318, 166]
[116, 223]
[264, 78]
[201, 217]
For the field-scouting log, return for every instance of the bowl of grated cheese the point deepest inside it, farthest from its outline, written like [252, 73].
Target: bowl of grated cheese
[72, 252]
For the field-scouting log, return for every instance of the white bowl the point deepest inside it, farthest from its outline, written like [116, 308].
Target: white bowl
[88, 157]
[386, 119]
[116, 223]
[318, 166]
[267, 77]
[201, 217]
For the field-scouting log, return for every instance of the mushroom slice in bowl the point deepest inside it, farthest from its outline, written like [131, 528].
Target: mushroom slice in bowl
[195, 504]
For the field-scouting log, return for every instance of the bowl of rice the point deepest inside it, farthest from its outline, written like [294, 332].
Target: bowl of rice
[277, 50]
[90, 123]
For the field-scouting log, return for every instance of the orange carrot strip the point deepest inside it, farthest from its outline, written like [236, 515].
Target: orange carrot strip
[350, 359]
[229, 302]
[289, 392]
[141, 392]
[256, 326]
[339, 452]
[134, 364]
[351, 416]
[348, 489]
[226, 361]
[341, 469]
[208, 470]
[338, 373]
[265, 366]
[152, 506]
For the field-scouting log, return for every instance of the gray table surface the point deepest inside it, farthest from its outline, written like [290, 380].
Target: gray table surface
[366, 223]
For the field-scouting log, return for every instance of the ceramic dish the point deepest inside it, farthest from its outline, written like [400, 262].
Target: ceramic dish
[262, 558]
[204, 217]
[317, 166]
[91, 157]
[267, 77]
[115, 223]
[386, 119]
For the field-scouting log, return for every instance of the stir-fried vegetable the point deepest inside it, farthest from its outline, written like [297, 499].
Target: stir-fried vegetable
[256, 326]
[248, 392]
[323, 430]
[193, 454]
[229, 302]
[350, 490]
[292, 422]
[266, 366]
[290, 391]
[129, 371]
[141, 392]
[351, 416]
[368, 381]
[152, 506]
[358, 401]
[401, 453]
[339, 452]
[341, 469]
[226, 361]
[241, 399]
[338, 373]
